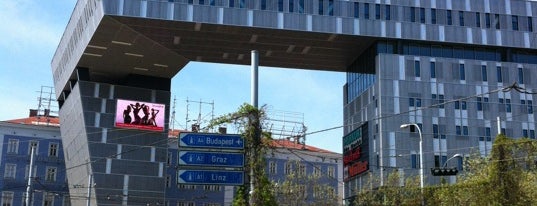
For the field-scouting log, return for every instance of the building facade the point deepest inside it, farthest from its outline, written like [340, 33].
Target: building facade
[448, 70]
[49, 186]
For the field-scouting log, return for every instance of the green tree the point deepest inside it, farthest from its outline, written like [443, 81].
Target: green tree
[250, 120]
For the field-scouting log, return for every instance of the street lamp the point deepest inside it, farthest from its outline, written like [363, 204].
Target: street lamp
[421, 150]
[454, 156]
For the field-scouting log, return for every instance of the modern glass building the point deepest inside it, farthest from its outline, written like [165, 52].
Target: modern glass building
[400, 57]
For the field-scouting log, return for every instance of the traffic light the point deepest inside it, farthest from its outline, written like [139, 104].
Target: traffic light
[444, 171]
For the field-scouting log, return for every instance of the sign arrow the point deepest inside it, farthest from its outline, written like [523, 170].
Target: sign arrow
[208, 140]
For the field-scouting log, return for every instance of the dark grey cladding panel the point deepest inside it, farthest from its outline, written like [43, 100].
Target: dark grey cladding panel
[99, 165]
[136, 153]
[86, 88]
[163, 97]
[107, 120]
[113, 196]
[94, 134]
[161, 154]
[135, 137]
[324, 24]
[89, 118]
[347, 26]
[146, 183]
[147, 198]
[135, 168]
[98, 150]
[108, 180]
[131, 93]
[104, 91]
[90, 104]
[111, 106]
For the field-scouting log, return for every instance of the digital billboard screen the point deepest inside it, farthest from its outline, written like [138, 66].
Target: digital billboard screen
[140, 115]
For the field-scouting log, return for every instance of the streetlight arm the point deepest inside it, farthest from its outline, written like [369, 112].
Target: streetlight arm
[454, 156]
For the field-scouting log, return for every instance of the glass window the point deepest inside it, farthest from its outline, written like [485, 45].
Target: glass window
[411, 102]
[487, 20]
[465, 130]
[51, 174]
[461, 18]
[441, 100]
[366, 10]
[377, 11]
[317, 171]
[417, 72]
[321, 7]
[484, 73]
[514, 21]
[462, 72]
[520, 76]
[422, 15]
[437, 161]
[53, 150]
[433, 69]
[331, 171]
[530, 107]
[414, 161]
[242, 4]
[288, 168]
[433, 16]
[418, 102]
[263, 5]
[388, 15]
[13, 146]
[201, 2]
[330, 7]
[356, 9]
[231, 3]
[532, 134]
[525, 133]
[479, 104]
[10, 171]
[477, 19]
[272, 167]
[435, 131]
[508, 105]
[499, 74]
[412, 14]
[457, 105]
[497, 21]
[280, 5]
[7, 198]
[34, 144]
[169, 158]
[458, 130]
[449, 18]
[48, 199]
[291, 6]
[530, 24]
[463, 105]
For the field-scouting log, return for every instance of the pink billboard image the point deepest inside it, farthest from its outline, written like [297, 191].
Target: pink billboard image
[140, 115]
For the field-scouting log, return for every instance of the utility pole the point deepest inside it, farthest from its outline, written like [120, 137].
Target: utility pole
[30, 177]
[255, 145]
[90, 184]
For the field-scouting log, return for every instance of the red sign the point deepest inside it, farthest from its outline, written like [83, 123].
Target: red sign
[351, 156]
[358, 168]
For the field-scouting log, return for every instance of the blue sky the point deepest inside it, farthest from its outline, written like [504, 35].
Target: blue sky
[31, 30]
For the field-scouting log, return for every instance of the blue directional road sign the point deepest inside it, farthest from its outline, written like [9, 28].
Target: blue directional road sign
[205, 140]
[210, 177]
[202, 158]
